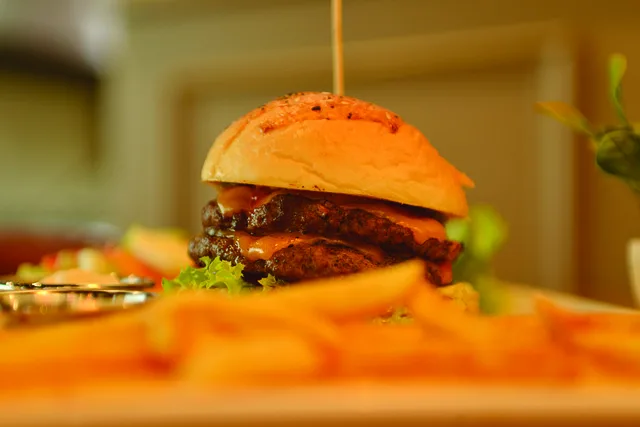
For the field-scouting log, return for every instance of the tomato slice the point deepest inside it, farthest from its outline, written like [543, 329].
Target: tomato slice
[446, 271]
[126, 264]
[49, 262]
[61, 260]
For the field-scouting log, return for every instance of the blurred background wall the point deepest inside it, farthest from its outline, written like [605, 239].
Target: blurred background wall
[126, 145]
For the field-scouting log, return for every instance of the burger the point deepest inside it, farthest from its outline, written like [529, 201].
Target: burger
[314, 185]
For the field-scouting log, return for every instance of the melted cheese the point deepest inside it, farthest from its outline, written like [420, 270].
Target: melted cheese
[234, 199]
[263, 247]
[243, 198]
[254, 248]
[422, 228]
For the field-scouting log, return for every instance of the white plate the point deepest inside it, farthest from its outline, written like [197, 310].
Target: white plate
[334, 406]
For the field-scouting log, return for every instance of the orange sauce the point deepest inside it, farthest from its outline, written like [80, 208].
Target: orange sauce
[243, 198]
[263, 247]
[422, 228]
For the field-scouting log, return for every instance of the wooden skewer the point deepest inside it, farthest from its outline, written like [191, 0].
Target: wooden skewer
[336, 45]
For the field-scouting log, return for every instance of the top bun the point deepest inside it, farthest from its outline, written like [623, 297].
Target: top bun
[336, 144]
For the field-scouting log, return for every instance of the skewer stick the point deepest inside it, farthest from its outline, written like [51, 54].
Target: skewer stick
[336, 46]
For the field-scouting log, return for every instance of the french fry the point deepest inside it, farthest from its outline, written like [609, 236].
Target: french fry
[523, 350]
[388, 333]
[69, 353]
[176, 323]
[268, 358]
[357, 296]
[438, 315]
[364, 356]
[323, 331]
[447, 359]
[517, 346]
[629, 322]
[608, 342]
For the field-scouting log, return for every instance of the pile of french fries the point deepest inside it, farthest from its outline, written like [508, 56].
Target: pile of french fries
[322, 332]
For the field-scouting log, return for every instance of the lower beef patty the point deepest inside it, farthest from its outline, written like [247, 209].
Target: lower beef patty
[320, 258]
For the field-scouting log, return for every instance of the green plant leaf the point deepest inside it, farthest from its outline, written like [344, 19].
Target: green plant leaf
[567, 115]
[618, 154]
[617, 148]
[617, 69]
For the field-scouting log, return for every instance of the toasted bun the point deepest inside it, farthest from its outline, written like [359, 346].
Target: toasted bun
[337, 144]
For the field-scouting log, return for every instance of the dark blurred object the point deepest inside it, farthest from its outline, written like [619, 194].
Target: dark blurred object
[62, 38]
[20, 244]
[68, 42]
[26, 60]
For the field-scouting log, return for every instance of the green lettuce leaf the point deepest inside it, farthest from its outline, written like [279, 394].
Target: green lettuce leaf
[30, 273]
[483, 234]
[216, 274]
[270, 282]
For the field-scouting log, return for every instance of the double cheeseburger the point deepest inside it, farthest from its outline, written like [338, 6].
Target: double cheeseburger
[313, 185]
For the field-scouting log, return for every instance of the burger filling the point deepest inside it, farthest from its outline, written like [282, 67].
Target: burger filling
[299, 235]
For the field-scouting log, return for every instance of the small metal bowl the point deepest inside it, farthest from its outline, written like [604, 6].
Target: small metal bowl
[35, 307]
[126, 283]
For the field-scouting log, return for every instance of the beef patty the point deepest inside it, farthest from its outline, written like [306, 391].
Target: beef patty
[320, 258]
[335, 238]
